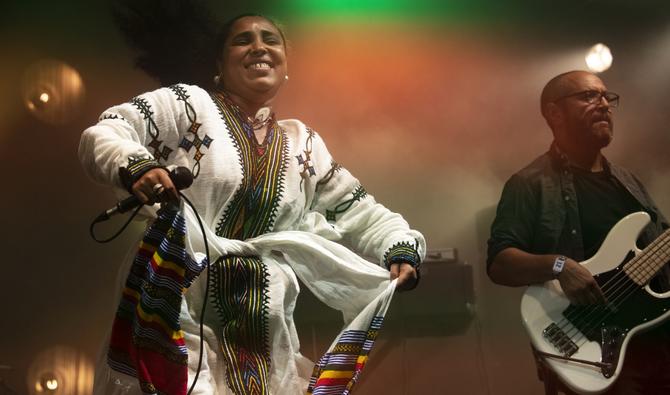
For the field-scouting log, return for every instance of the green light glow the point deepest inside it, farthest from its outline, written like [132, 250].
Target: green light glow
[383, 10]
[356, 7]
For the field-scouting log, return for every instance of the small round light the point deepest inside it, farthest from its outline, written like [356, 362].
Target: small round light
[53, 91]
[52, 384]
[599, 58]
[48, 383]
[60, 370]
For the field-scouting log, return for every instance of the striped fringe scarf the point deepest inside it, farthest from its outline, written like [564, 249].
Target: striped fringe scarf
[339, 369]
[147, 341]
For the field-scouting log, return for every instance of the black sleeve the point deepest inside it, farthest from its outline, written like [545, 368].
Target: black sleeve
[515, 217]
[660, 220]
[661, 281]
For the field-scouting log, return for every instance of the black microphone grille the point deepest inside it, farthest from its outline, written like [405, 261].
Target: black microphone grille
[181, 177]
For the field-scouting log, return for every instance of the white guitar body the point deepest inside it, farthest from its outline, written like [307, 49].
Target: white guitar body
[544, 305]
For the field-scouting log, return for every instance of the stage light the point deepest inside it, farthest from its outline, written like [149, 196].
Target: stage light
[599, 58]
[52, 91]
[60, 371]
[48, 383]
[51, 384]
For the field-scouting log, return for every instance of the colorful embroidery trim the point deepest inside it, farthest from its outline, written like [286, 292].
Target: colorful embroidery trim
[358, 194]
[135, 168]
[196, 141]
[239, 291]
[402, 252]
[147, 341]
[337, 371]
[239, 287]
[254, 206]
[151, 128]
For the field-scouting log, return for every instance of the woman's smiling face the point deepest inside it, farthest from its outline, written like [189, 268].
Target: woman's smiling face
[253, 62]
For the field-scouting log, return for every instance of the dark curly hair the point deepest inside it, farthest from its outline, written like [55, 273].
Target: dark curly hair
[176, 41]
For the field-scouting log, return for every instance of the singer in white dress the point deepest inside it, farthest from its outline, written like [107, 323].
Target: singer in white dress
[271, 185]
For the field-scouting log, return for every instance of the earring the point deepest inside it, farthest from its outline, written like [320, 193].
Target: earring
[286, 77]
[217, 79]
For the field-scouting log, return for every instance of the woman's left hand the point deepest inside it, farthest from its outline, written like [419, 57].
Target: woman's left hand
[406, 275]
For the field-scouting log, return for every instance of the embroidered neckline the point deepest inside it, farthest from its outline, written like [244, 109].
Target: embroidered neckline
[254, 205]
[249, 124]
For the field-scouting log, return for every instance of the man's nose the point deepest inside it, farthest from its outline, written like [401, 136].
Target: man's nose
[602, 101]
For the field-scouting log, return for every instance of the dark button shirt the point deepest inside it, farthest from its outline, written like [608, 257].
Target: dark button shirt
[602, 202]
[538, 211]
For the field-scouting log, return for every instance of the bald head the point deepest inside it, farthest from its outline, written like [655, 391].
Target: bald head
[577, 121]
[559, 86]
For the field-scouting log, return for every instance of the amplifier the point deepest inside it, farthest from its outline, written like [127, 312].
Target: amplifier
[446, 289]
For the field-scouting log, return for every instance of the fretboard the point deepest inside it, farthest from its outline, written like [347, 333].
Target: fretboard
[645, 265]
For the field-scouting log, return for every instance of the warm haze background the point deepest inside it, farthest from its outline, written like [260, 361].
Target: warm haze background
[432, 105]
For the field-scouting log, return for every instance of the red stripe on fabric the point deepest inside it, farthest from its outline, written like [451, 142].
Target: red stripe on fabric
[168, 377]
[152, 367]
[331, 381]
[121, 338]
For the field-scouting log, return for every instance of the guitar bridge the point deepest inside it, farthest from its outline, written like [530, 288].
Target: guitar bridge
[562, 342]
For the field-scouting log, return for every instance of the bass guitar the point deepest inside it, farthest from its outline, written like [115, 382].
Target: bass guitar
[585, 345]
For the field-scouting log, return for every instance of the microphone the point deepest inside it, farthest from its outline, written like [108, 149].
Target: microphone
[181, 177]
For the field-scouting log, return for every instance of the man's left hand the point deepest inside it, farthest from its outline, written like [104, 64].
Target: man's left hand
[406, 274]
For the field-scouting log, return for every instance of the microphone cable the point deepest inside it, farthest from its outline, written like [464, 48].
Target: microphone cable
[117, 234]
[204, 303]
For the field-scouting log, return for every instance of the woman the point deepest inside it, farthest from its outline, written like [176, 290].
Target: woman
[274, 187]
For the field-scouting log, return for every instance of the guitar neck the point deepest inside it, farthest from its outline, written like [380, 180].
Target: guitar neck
[645, 265]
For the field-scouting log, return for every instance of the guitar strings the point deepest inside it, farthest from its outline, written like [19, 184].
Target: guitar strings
[602, 312]
[621, 286]
[628, 283]
[574, 315]
[620, 280]
[612, 289]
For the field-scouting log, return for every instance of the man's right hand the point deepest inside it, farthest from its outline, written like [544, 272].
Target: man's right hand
[579, 285]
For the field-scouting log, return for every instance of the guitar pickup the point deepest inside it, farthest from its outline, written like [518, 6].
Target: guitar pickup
[562, 342]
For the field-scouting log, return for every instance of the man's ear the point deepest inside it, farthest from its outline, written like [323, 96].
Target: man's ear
[553, 114]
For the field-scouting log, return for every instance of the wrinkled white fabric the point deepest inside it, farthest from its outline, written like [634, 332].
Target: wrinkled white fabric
[324, 254]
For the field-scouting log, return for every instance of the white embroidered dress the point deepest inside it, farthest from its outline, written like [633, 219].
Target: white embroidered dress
[285, 201]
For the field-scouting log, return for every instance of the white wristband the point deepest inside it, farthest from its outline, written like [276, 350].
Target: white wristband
[559, 263]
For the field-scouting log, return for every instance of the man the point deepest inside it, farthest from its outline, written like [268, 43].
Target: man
[558, 210]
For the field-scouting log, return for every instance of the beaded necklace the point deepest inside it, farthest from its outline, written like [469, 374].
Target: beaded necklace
[264, 118]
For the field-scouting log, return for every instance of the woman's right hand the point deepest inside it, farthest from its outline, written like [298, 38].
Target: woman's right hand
[155, 186]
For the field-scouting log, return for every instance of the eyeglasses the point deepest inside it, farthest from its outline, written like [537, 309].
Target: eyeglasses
[594, 97]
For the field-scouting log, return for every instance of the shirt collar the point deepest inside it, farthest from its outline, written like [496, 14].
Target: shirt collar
[563, 162]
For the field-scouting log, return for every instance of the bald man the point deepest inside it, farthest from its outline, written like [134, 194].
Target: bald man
[558, 210]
